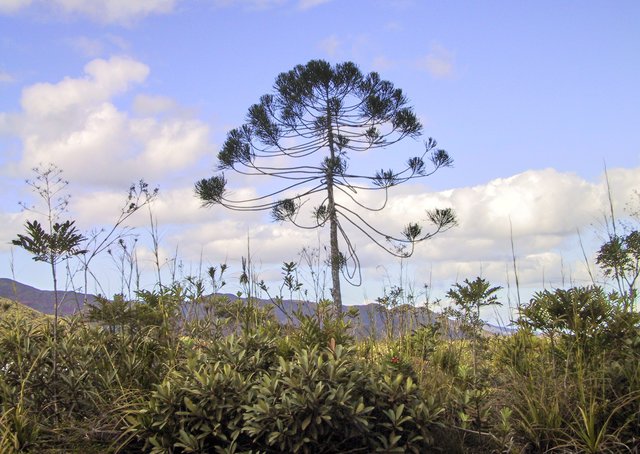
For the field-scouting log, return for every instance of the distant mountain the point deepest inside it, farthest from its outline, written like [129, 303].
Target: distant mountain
[371, 319]
[41, 300]
[495, 329]
[375, 319]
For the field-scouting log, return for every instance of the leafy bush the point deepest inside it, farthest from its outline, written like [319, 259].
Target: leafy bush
[423, 340]
[321, 400]
[199, 405]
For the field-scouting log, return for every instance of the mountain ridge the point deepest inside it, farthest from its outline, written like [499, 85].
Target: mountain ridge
[42, 300]
[371, 316]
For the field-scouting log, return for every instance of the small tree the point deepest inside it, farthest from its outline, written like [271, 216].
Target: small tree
[56, 241]
[620, 258]
[318, 109]
[586, 315]
[468, 300]
[61, 243]
[53, 247]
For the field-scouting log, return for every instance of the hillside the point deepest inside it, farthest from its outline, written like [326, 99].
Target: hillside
[40, 300]
[10, 309]
[370, 318]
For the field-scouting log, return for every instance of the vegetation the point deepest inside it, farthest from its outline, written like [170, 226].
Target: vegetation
[12, 309]
[181, 368]
[334, 112]
[143, 375]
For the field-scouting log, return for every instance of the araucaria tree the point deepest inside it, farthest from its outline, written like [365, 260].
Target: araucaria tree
[304, 134]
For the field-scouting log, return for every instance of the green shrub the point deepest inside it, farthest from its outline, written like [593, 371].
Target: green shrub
[520, 352]
[18, 430]
[195, 410]
[234, 397]
[198, 407]
[423, 340]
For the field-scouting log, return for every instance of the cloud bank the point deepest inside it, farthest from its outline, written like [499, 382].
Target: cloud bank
[104, 11]
[76, 124]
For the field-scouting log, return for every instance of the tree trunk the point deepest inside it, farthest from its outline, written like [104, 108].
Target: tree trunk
[336, 294]
[335, 251]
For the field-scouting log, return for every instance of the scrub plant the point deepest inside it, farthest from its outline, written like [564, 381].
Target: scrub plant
[569, 389]
[468, 299]
[60, 243]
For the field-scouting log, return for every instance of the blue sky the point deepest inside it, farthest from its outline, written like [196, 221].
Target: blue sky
[529, 98]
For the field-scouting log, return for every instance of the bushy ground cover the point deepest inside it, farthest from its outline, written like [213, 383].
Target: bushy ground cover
[142, 376]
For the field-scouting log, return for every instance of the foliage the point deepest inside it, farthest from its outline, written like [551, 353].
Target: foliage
[469, 299]
[119, 315]
[62, 243]
[332, 111]
[232, 398]
[424, 339]
[619, 257]
[198, 406]
[57, 241]
[576, 389]
[179, 370]
[12, 309]
[135, 380]
[581, 315]
[321, 328]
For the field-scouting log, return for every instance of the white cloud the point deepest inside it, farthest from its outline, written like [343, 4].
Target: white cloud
[269, 243]
[103, 79]
[261, 5]
[89, 47]
[439, 62]
[546, 208]
[153, 105]
[536, 202]
[308, 4]
[12, 6]
[251, 5]
[169, 145]
[105, 11]
[96, 47]
[330, 45]
[382, 63]
[115, 11]
[5, 77]
[76, 124]
[10, 225]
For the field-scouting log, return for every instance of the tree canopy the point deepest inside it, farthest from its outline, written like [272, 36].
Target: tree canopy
[332, 112]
